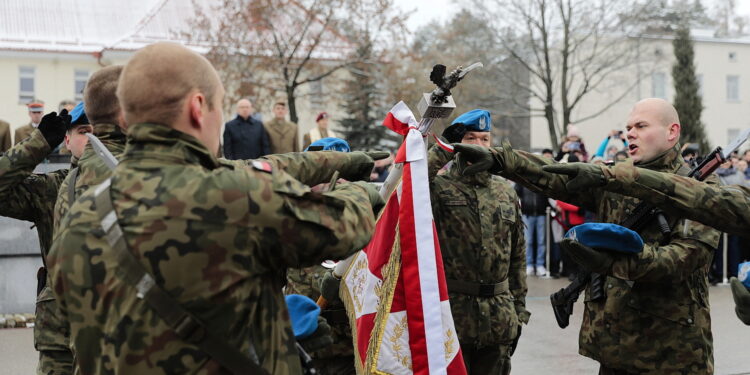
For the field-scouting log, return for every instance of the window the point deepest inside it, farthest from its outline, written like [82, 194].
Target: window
[733, 88]
[732, 56]
[699, 81]
[26, 84]
[79, 82]
[659, 85]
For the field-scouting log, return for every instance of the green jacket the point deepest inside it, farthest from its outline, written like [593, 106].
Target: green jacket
[216, 236]
[481, 235]
[725, 207]
[31, 197]
[91, 168]
[656, 317]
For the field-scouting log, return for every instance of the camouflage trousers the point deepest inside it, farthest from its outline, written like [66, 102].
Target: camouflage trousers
[51, 337]
[343, 365]
[487, 360]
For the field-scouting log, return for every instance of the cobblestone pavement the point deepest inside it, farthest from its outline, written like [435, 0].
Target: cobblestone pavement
[544, 348]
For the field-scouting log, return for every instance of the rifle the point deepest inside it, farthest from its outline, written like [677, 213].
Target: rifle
[564, 299]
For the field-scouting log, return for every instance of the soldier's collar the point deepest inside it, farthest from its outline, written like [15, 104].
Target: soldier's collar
[168, 142]
[105, 131]
[665, 160]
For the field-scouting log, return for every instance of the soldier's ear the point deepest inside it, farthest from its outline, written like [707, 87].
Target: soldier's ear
[196, 104]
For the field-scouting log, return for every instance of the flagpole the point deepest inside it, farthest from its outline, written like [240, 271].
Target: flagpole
[437, 104]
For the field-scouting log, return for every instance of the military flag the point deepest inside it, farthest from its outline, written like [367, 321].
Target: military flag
[395, 288]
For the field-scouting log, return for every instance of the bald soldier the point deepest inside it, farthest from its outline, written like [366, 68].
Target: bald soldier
[176, 263]
[725, 207]
[652, 316]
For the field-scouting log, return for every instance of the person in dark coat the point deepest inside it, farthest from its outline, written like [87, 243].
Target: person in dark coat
[245, 137]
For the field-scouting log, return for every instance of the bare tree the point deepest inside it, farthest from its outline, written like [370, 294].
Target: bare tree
[266, 47]
[570, 48]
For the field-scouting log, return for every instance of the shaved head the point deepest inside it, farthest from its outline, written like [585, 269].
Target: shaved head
[168, 84]
[660, 109]
[157, 79]
[653, 127]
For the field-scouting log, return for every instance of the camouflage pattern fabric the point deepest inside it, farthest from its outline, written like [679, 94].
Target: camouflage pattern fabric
[217, 238]
[661, 324]
[339, 357]
[481, 235]
[31, 197]
[722, 207]
[91, 168]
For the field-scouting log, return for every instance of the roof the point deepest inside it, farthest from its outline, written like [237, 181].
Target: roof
[94, 26]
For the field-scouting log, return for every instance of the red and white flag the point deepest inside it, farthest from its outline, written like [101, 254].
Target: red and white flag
[395, 288]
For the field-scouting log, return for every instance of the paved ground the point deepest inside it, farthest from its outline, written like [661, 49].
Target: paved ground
[544, 348]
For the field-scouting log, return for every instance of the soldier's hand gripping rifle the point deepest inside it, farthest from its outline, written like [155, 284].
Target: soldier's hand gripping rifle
[643, 214]
[433, 105]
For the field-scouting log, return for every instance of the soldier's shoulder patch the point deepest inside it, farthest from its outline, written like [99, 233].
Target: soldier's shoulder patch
[262, 166]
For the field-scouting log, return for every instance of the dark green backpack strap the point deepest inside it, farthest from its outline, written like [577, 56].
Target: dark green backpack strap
[187, 326]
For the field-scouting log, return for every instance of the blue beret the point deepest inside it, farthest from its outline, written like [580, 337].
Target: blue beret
[303, 313]
[78, 116]
[477, 120]
[743, 274]
[329, 144]
[608, 237]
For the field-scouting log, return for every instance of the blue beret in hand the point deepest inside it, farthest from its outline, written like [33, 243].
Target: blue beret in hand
[603, 236]
[329, 144]
[743, 274]
[303, 312]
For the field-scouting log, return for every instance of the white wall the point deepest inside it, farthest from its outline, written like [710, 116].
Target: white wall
[712, 63]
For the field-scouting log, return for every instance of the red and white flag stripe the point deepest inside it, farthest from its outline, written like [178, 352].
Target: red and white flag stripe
[400, 310]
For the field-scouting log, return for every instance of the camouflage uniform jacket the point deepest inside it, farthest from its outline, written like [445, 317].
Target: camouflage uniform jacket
[306, 281]
[661, 323]
[725, 208]
[91, 168]
[481, 235]
[31, 197]
[215, 237]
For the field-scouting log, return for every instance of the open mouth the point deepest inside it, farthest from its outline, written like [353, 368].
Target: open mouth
[632, 149]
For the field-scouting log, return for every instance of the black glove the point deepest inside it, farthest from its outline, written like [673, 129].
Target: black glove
[590, 259]
[454, 133]
[319, 339]
[53, 127]
[582, 176]
[741, 300]
[375, 199]
[329, 286]
[471, 159]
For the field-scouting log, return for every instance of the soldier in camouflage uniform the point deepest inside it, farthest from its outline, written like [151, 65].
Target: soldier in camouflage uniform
[215, 238]
[724, 207]
[29, 196]
[655, 317]
[481, 238]
[338, 358]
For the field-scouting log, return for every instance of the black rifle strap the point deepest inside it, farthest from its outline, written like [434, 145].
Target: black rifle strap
[187, 326]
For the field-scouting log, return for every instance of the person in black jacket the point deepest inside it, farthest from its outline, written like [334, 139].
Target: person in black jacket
[245, 137]
[533, 208]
